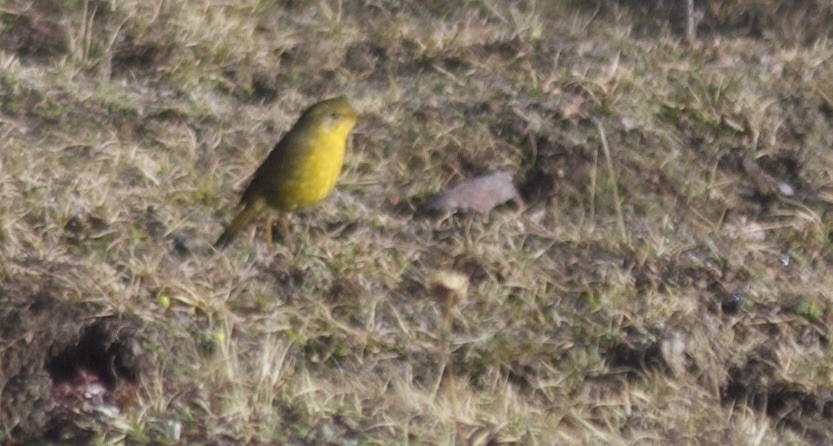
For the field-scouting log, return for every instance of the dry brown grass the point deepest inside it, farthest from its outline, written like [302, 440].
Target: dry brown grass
[656, 287]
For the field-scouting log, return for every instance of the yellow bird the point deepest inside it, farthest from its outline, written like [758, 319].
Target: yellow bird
[301, 170]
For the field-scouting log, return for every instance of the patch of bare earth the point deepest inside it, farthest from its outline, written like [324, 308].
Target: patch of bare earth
[67, 364]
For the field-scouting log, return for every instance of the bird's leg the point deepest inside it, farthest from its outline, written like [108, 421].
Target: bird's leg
[268, 230]
[287, 236]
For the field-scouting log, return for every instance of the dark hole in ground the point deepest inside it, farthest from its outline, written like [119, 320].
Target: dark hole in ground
[557, 170]
[32, 36]
[94, 377]
[636, 355]
[75, 368]
[95, 353]
[806, 411]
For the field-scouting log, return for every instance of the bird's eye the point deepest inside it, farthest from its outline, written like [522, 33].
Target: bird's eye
[334, 115]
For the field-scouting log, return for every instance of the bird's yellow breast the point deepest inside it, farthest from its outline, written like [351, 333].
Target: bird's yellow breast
[314, 175]
[310, 172]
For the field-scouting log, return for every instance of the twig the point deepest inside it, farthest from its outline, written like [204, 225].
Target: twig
[691, 27]
[620, 220]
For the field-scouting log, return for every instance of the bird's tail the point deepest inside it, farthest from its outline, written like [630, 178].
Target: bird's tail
[249, 212]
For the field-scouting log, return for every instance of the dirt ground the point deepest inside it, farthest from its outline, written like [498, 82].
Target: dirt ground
[652, 267]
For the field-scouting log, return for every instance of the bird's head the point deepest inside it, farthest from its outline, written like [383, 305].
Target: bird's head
[332, 115]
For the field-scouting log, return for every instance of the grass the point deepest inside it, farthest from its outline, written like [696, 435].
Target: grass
[654, 288]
